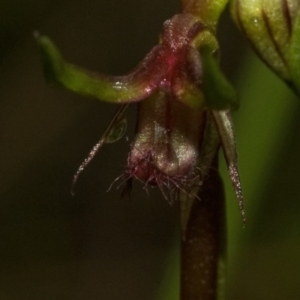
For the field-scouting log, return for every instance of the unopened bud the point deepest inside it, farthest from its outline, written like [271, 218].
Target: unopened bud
[273, 28]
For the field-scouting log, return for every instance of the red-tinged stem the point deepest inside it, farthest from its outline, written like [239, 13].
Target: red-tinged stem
[203, 249]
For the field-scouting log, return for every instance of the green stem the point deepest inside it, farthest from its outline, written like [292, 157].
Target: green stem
[203, 249]
[207, 11]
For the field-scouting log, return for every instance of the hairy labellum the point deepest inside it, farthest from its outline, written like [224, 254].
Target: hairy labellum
[168, 138]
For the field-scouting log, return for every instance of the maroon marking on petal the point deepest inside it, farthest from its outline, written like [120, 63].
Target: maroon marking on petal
[196, 28]
[237, 9]
[270, 33]
[288, 18]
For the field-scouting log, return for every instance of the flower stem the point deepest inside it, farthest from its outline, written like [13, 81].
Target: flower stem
[203, 248]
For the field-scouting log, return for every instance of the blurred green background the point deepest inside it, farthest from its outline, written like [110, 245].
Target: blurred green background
[95, 245]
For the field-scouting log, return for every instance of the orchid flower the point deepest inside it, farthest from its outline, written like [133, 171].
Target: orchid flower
[184, 105]
[183, 120]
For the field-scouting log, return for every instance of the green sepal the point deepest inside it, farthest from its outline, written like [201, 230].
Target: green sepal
[219, 93]
[224, 127]
[117, 89]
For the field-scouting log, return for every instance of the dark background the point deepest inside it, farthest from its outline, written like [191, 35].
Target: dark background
[95, 245]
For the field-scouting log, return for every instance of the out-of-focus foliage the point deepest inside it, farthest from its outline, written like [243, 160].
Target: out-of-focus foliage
[94, 246]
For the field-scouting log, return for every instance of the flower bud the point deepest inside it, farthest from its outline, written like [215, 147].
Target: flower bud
[273, 27]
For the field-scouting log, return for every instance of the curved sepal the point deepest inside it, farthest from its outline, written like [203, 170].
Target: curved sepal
[135, 86]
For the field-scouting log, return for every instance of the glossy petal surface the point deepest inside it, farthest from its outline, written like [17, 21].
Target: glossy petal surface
[135, 86]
